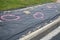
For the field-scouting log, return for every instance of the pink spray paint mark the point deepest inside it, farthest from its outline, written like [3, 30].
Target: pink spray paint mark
[11, 15]
[36, 15]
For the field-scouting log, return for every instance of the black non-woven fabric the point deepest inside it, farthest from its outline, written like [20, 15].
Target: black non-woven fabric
[14, 23]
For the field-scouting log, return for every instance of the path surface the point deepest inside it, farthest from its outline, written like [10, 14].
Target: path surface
[58, 1]
[52, 34]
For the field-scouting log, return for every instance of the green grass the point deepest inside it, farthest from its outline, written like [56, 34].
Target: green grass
[8, 4]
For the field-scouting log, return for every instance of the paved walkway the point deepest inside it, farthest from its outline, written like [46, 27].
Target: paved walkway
[58, 1]
[52, 34]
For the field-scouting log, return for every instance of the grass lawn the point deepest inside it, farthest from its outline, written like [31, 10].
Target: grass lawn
[8, 4]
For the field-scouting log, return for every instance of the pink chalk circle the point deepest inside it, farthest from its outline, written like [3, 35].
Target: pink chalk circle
[38, 15]
[3, 17]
